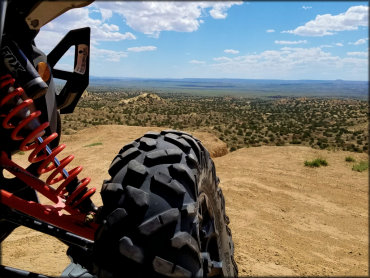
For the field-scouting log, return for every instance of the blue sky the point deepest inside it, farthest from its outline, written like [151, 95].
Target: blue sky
[251, 40]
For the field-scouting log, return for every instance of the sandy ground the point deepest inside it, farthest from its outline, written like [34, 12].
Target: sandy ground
[286, 219]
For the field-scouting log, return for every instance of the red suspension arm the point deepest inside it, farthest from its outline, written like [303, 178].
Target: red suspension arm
[75, 222]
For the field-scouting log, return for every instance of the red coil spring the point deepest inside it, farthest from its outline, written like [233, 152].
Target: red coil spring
[39, 154]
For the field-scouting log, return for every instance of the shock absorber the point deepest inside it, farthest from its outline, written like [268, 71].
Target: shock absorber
[20, 116]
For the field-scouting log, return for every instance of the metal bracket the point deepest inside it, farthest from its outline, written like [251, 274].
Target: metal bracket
[19, 218]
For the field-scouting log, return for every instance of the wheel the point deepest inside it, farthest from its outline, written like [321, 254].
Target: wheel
[163, 213]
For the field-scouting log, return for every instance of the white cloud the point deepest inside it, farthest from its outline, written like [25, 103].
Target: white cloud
[106, 14]
[291, 42]
[51, 33]
[306, 7]
[361, 54]
[142, 48]
[100, 31]
[331, 45]
[270, 31]
[222, 59]
[231, 51]
[328, 24]
[109, 28]
[360, 41]
[106, 54]
[197, 62]
[152, 18]
[325, 46]
[291, 63]
[47, 40]
[218, 10]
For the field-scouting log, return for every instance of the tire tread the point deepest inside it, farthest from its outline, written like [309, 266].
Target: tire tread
[150, 208]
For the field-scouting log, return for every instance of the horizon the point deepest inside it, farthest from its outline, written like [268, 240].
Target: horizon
[220, 40]
[220, 78]
[238, 87]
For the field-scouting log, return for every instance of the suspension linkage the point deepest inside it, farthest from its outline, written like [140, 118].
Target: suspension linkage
[19, 218]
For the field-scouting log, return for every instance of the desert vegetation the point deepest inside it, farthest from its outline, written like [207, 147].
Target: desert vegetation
[350, 159]
[322, 123]
[316, 162]
[361, 166]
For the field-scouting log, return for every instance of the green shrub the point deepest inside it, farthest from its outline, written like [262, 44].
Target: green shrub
[361, 166]
[93, 144]
[350, 159]
[316, 163]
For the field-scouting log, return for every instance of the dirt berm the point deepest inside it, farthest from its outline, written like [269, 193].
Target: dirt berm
[286, 219]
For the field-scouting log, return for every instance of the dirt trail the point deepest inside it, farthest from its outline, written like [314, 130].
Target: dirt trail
[286, 219]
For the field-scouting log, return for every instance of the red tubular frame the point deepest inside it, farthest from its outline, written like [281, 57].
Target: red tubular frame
[74, 222]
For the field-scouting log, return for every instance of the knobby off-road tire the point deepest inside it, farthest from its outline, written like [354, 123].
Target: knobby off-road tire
[163, 214]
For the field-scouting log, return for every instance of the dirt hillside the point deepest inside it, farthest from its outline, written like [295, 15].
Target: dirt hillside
[142, 98]
[286, 219]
